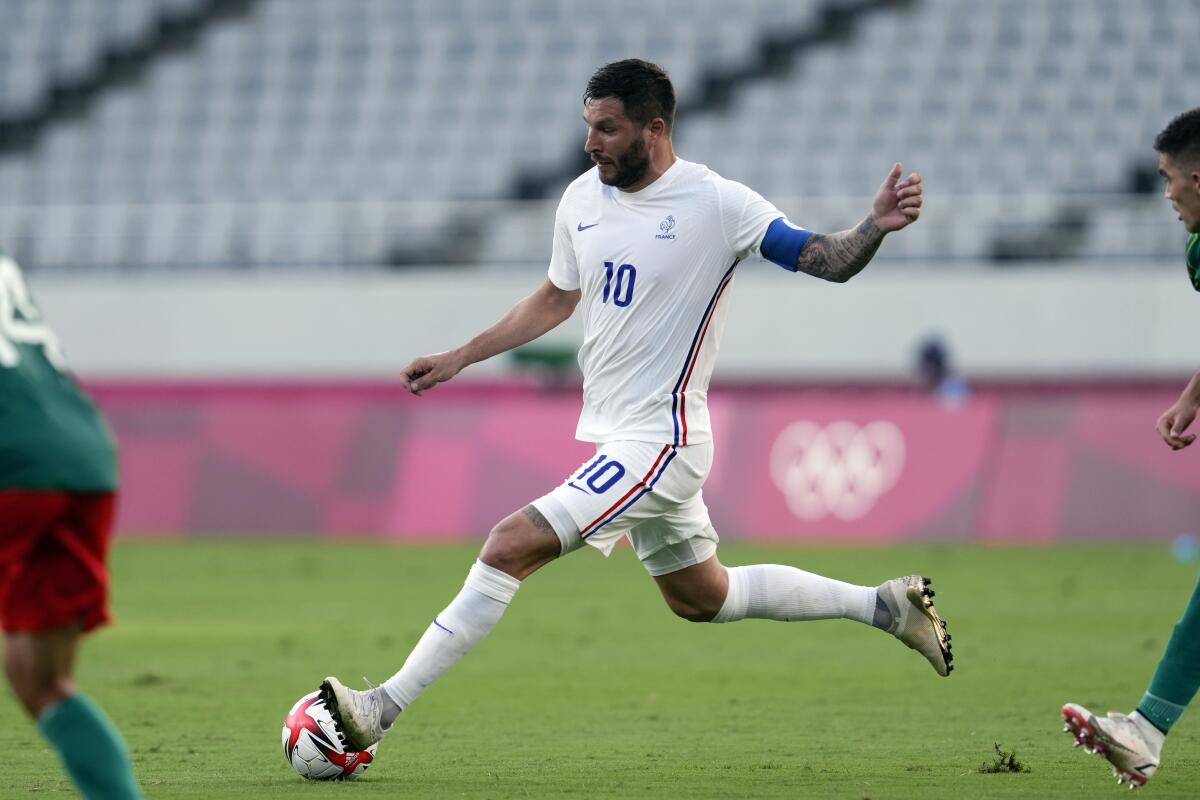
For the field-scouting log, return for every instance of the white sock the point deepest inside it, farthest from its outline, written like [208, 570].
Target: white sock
[464, 623]
[773, 591]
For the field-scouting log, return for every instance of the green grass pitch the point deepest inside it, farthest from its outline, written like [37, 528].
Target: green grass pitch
[590, 688]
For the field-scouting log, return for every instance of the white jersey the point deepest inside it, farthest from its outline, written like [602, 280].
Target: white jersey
[655, 267]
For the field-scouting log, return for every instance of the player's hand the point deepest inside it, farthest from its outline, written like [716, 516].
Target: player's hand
[898, 202]
[428, 371]
[1174, 421]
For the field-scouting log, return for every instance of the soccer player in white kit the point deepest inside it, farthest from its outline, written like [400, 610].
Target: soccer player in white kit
[648, 245]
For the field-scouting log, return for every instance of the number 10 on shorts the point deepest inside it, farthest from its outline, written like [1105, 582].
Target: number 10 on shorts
[600, 476]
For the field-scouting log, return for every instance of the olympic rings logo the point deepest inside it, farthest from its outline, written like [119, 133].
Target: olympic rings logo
[839, 470]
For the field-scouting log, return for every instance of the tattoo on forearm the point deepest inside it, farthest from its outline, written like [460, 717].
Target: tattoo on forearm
[840, 256]
[537, 519]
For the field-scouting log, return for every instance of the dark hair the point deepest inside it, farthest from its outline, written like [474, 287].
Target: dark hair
[643, 88]
[1181, 138]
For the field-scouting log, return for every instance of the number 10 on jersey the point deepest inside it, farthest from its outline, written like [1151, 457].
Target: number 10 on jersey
[620, 289]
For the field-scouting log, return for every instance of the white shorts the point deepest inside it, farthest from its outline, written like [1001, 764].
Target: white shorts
[648, 492]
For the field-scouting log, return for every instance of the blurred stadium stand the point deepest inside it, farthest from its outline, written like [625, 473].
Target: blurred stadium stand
[156, 134]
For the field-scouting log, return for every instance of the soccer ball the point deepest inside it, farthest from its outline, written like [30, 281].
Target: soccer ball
[311, 745]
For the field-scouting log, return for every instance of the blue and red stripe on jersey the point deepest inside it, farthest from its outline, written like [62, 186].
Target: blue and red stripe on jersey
[665, 456]
[679, 393]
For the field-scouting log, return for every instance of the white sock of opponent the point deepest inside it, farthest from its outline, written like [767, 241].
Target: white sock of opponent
[773, 591]
[464, 623]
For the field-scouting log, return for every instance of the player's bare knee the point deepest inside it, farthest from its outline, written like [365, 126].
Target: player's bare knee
[502, 551]
[515, 547]
[15, 670]
[690, 610]
[20, 665]
[36, 685]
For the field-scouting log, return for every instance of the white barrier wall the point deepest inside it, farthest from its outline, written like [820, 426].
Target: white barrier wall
[1032, 321]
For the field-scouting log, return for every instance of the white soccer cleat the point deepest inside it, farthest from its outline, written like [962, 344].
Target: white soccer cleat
[916, 622]
[357, 716]
[1119, 738]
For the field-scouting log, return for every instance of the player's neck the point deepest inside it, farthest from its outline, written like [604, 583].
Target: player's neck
[661, 159]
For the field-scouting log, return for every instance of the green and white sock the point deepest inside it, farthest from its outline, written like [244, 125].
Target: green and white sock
[1177, 677]
[91, 749]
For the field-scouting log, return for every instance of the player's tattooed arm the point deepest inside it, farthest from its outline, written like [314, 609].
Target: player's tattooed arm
[840, 256]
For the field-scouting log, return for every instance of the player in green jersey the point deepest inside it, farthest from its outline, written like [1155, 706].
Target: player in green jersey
[1133, 742]
[58, 480]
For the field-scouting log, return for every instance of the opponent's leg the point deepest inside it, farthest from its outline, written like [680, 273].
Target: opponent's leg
[52, 558]
[1130, 743]
[39, 667]
[517, 547]
[1177, 677]
[1133, 743]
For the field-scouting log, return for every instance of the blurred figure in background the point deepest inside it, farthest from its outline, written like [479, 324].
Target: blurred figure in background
[1133, 742]
[936, 373]
[58, 481]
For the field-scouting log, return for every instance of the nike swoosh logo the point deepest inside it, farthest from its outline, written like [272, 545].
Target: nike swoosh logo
[581, 227]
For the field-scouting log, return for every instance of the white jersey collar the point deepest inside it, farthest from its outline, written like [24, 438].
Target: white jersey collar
[661, 183]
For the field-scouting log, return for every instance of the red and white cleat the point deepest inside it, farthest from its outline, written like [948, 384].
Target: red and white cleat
[1129, 743]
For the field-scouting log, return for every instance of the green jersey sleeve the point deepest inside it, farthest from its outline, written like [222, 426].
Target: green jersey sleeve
[1193, 260]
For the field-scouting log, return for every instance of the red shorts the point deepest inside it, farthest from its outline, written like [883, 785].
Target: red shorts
[53, 557]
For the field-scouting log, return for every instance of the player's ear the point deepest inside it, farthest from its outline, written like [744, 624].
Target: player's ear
[657, 128]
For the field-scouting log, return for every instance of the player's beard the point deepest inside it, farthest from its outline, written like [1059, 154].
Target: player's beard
[631, 167]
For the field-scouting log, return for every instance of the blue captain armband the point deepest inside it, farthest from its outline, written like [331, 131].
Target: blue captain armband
[783, 242]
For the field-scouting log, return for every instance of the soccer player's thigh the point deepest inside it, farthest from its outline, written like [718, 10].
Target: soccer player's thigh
[53, 570]
[680, 538]
[622, 486]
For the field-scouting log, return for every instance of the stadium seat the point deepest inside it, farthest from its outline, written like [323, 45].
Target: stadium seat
[451, 101]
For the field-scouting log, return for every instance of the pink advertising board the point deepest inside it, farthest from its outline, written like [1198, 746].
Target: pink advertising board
[869, 463]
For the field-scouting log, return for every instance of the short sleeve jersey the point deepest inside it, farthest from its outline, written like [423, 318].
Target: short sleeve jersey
[51, 436]
[655, 268]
